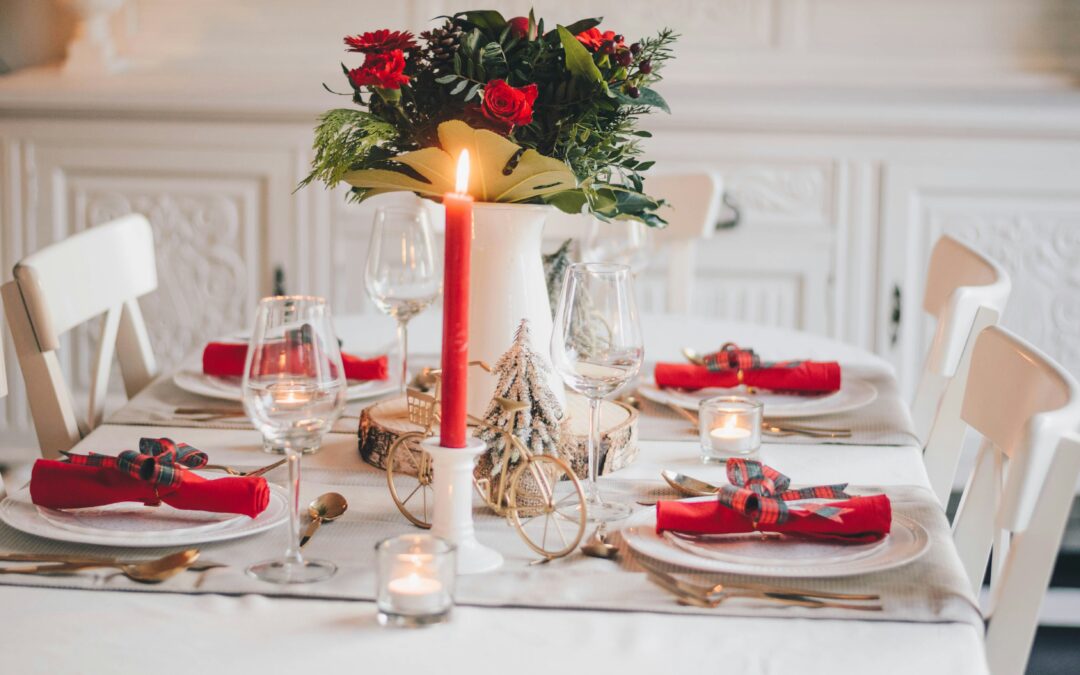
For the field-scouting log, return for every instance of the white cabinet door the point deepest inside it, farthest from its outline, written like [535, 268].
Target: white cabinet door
[1026, 216]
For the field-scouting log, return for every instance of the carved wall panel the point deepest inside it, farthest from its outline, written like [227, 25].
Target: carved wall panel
[1041, 251]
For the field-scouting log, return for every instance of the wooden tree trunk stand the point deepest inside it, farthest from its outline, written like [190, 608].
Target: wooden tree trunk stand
[382, 423]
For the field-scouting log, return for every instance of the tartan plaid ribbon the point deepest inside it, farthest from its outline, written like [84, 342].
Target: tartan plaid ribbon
[732, 357]
[159, 461]
[761, 493]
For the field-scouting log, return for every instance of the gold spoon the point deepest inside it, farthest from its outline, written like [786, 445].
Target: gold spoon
[598, 547]
[692, 487]
[149, 572]
[325, 507]
[693, 357]
[251, 474]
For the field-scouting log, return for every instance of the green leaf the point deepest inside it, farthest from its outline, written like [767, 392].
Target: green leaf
[459, 88]
[446, 79]
[494, 60]
[584, 25]
[568, 201]
[486, 19]
[647, 97]
[578, 59]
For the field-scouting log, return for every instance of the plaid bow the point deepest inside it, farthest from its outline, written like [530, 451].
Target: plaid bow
[761, 493]
[159, 461]
[732, 357]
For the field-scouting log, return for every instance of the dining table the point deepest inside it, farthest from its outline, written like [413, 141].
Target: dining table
[46, 628]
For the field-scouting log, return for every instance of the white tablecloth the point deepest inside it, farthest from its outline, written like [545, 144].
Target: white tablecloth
[51, 631]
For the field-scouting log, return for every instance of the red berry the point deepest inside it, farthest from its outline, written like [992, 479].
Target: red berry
[645, 67]
[633, 92]
[635, 49]
[608, 47]
[619, 39]
[623, 58]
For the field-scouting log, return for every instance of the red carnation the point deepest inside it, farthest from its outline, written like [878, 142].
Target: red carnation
[380, 41]
[593, 39]
[386, 71]
[508, 105]
[519, 27]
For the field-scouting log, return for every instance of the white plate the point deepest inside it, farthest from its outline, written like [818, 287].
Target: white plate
[792, 558]
[137, 526]
[853, 394]
[191, 379]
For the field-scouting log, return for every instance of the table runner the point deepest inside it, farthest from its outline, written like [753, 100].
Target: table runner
[884, 421]
[932, 589]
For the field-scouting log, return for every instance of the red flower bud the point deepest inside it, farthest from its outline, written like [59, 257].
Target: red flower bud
[519, 28]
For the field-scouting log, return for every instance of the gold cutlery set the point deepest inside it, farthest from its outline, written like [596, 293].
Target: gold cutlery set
[712, 596]
[148, 571]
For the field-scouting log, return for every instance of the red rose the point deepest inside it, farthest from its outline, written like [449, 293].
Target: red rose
[593, 39]
[519, 27]
[380, 41]
[508, 105]
[381, 70]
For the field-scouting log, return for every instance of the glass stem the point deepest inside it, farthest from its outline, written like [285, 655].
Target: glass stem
[403, 347]
[292, 551]
[592, 490]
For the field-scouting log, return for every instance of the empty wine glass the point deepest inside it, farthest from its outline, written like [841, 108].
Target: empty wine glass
[294, 391]
[596, 346]
[400, 276]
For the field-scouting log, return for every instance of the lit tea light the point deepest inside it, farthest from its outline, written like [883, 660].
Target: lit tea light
[415, 594]
[415, 580]
[730, 425]
[289, 396]
[731, 438]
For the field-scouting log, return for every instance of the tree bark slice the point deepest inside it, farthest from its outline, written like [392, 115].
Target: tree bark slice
[382, 423]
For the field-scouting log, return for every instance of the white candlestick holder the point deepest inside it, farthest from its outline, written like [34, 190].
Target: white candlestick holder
[452, 512]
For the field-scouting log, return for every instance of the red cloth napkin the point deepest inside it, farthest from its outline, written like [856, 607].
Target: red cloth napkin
[863, 520]
[62, 485]
[804, 376]
[226, 359]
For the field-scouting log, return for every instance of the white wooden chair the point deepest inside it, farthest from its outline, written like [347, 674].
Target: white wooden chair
[99, 272]
[694, 203]
[959, 282]
[1017, 500]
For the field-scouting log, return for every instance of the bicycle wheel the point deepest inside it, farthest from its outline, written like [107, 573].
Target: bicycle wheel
[409, 476]
[546, 505]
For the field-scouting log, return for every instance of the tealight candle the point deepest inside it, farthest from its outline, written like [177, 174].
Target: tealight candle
[730, 438]
[289, 396]
[729, 425]
[415, 580]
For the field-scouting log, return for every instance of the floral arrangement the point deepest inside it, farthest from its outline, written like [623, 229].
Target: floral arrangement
[553, 113]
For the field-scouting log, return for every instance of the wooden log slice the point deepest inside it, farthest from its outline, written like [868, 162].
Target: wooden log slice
[383, 422]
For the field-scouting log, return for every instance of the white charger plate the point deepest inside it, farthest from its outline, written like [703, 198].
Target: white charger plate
[137, 526]
[191, 379]
[852, 395]
[787, 557]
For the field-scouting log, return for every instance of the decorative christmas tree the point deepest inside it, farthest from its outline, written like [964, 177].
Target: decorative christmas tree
[522, 375]
[555, 265]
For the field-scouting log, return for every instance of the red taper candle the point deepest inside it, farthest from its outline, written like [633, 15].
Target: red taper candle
[455, 337]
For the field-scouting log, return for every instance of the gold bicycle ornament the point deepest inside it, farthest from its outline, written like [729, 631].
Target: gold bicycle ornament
[540, 497]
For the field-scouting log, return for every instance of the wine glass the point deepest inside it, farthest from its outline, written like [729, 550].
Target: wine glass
[596, 347]
[294, 391]
[400, 276]
[626, 242]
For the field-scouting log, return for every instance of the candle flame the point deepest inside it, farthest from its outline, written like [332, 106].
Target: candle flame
[462, 185]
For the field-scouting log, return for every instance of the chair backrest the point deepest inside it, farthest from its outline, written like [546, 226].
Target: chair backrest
[99, 272]
[693, 208]
[1018, 497]
[959, 281]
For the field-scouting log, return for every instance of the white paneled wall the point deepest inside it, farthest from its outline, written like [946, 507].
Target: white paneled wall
[849, 133]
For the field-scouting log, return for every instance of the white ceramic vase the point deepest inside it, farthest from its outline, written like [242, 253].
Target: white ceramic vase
[506, 285]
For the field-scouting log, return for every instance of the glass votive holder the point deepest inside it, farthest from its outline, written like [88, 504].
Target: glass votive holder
[730, 426]
[415, 576]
